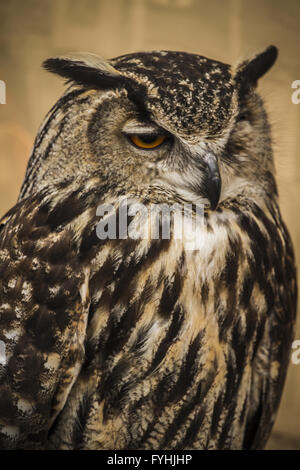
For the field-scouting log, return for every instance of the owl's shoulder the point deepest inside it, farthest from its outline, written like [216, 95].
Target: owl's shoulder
[43, 311]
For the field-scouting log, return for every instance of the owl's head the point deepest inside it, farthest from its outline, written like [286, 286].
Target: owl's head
[165, 125]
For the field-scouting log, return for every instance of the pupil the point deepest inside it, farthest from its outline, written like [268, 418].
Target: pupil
[148, 139]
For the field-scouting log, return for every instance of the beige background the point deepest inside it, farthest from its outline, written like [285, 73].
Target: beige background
[32, 30]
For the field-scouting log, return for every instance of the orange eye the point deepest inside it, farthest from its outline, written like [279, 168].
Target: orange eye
[147, 141]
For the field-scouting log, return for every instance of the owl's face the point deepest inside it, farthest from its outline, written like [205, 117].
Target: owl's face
[164, 125]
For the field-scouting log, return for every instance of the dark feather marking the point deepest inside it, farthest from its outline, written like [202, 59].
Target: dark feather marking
[217, 411]
[187, 371]
[90, 241]
[244, 409]
[67, 293]
[66, 210]
[140, 339]
[171, 335]
[251, 324]
[260, 330]
[41, 216]
[62, 317]
[40, 292]
[7, 316]
[148, 291]
[270, 225]
[225, 436]
[42, 276]
[38, 233]
[25, 228]
[28, 248]
[229, 275]
[4, 268]
[124, 290]
[170, 294]
[230, 385]
[225, 315]
[192, 430]
[260, 242]
[103, 276]
[120, 330]
[239, 346]
[204, 292]
[269, 295]
[62, 250]
[260, 273]
[28, 364]
[42, 329]
[187, 408]
[82, 416]
[110, 385]
[247, 288]
[252, 427]
[90, 359]
[7, 407]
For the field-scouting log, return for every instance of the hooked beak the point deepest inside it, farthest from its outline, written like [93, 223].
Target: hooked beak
[212, 180]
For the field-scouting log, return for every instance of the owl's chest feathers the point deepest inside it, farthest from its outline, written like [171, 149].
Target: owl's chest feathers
[164, 292]
[168, 323]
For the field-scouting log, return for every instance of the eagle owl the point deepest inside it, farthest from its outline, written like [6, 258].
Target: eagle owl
[141, 342]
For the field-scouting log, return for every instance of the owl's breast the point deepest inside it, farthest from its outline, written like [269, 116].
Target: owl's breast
[177, 329]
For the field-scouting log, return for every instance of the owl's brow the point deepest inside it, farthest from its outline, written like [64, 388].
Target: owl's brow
[139, 127]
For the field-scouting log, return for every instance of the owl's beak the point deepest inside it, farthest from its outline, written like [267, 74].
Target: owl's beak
[212, 180]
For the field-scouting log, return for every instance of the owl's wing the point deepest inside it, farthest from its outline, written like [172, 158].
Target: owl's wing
[273, 347]
[43, 311]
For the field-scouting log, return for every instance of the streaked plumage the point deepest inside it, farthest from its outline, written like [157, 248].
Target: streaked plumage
[144, 344]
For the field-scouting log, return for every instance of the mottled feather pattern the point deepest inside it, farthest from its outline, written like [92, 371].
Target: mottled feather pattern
[143, 343]
[43, 347]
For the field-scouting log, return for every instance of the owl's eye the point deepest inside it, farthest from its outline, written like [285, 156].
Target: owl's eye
[147, 141]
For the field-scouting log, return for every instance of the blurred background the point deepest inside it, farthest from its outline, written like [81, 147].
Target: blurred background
[226, 30]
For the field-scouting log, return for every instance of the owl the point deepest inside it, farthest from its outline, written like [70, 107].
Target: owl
[140, 342]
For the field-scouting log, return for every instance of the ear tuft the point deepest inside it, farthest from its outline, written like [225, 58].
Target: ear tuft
[249, 71]
[88, 70]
